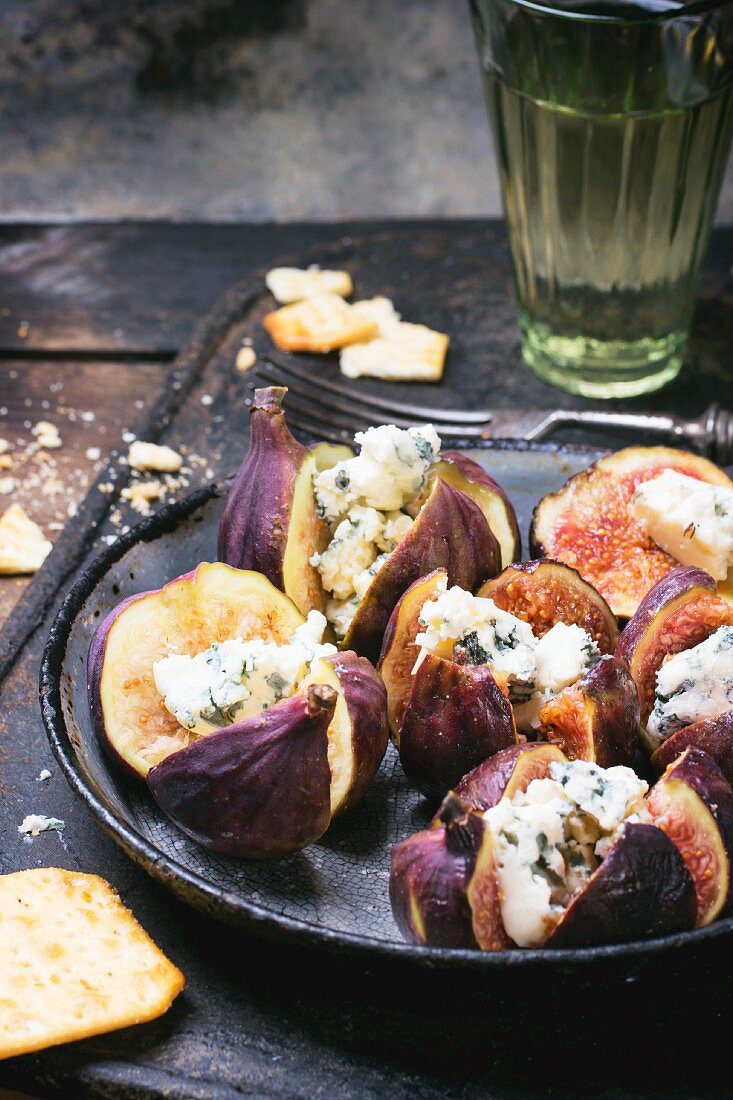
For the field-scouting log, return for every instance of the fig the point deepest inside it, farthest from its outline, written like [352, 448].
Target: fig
[257, 789]
[597, 718]
[693, 804]
[545, 592]
[641, 889]
[215, 604]
[506, 773]
[457, 717]
[429, 879]
[269, 523]
[679, 612]
[277, 521]
[713, 735]
[450, 532]
[211, 604]
[588, 523]
[463, 473]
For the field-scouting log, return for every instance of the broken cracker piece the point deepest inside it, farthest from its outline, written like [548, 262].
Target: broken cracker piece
[23, 546]
[151, 456]
[293, 284]
[411, 353]
[319, 324]
[381, 311]
[74, 962]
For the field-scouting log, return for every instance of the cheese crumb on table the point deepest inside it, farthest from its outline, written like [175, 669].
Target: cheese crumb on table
[246, 359]
[151, 456]
[35, 824]
[47, 435]
[293, 284]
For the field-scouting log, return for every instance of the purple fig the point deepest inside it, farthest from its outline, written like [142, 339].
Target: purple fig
[259, 788]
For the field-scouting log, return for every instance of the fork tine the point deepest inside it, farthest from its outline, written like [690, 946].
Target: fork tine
[415, 412]
[311, 407]
[324, 401]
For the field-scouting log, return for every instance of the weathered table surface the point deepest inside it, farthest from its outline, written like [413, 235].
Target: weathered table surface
[90, 318]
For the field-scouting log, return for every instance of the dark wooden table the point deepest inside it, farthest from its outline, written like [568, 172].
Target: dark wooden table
[90, 319]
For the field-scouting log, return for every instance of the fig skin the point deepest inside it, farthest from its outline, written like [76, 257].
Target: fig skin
[713, 735]
[490, 497]
[693, 803]
[263, 510]
[145, 627]
[642, 889]
[451, 532]
[596, 719]
[457, 716]
[508, 772]
[588, 522]
[429, 879]
[257, 789]
[679, 612]
[546, 592]
[365, 698]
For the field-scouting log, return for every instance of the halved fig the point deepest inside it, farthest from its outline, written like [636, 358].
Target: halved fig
[544, 593]
[457, 716]
[217, 603]
[258, 789]
[450, 532]
[596, 719]
[713, 735]
[485, 898]
[399, 651]
[641, 889]
[212, 604]
[430, 875]
[680, 611]
[508, 772]
[693, 804]
[588, 523]
[463, 473]
[269, 523]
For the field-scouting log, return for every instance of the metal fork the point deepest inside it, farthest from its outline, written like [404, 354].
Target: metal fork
[330, 409]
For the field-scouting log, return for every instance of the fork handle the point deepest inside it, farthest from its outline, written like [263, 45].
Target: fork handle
[711, 434]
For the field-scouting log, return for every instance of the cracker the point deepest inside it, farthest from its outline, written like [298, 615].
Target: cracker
[319, 324]
[74, 962]
[23, 546]
[152, 456]
[292, 284]
[410, 353]
[381, 311]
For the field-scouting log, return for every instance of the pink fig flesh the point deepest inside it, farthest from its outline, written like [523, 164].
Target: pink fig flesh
[463, 473]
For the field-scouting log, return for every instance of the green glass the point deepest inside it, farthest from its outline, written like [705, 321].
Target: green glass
[612, 124]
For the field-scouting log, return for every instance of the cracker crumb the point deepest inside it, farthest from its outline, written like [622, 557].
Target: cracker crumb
[7, 485]
[93, 453]
[6, 462]
[246, 359]
[47, 435]
[4, 446]
[150, 456]
[141, 493]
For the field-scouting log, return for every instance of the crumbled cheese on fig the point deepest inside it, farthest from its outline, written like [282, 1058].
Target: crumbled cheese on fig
[365, 500]
[474, 628]
[689, 519]
[549, 839]
[236, 679]
[694, 684]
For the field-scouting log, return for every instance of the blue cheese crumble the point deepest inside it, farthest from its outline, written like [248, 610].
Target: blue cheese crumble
[694, 684]
[549, 839]
[689, 519]
[236, 679]
[370, 502]
[474, 630]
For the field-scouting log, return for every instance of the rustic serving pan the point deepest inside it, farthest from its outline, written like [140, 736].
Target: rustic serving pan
[334, 893]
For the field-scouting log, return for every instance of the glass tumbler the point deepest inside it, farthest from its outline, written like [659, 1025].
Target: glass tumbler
[612, 125]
